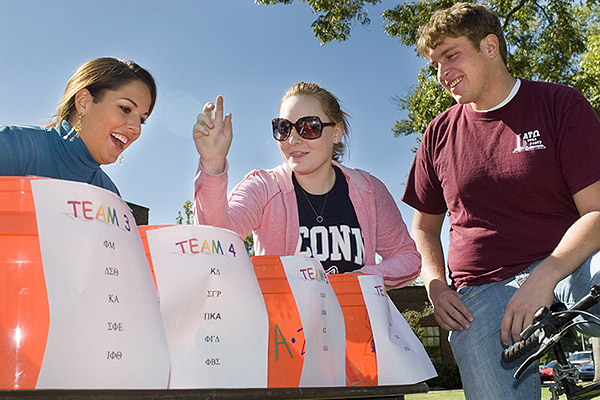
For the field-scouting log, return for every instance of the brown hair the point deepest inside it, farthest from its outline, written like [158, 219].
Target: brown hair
[98, 76]
[331, 107]
[475, 21]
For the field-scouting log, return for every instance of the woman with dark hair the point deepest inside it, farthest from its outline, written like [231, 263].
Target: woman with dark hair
[99, 116]
[311, 204]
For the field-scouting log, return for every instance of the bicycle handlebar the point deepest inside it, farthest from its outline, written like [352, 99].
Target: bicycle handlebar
[519, 349]
[546, 330]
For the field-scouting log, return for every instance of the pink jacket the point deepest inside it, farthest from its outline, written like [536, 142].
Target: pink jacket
[264, 202]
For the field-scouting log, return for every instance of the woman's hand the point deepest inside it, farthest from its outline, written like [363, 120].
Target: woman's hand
[213, 135]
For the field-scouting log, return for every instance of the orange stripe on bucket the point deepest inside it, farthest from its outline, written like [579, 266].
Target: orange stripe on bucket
[361, 362]
[286, 336]
[143, 229]
[25, 315]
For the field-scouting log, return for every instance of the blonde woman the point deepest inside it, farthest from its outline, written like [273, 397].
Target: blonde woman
[311, 204]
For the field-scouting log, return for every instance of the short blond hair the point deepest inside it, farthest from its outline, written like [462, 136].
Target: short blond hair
[474, 21]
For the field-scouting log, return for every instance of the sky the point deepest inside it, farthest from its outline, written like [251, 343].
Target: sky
[196, 50]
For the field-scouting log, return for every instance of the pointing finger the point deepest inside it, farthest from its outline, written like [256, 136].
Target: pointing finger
[219, 109]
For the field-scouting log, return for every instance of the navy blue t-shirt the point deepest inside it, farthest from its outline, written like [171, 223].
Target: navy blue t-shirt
[337, 242]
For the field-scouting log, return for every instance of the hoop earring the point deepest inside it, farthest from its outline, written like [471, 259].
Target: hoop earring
[76, 128]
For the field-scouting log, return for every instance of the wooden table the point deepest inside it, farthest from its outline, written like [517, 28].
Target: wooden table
[354, 392]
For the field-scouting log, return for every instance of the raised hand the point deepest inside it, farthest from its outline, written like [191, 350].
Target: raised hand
[213, 135]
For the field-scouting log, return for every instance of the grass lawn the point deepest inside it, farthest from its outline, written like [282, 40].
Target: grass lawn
[437, 395]
[458, 395]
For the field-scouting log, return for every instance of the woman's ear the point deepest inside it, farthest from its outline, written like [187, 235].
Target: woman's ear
[83, 98]
[339, 133]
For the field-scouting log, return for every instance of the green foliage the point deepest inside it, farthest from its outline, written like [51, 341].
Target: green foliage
[404, 20]
[554, 40]
[545, 42]
[187, 210]
[588, 75]
[189, 214]
[425, 102]
[336, 17]
[414, 317]
[249, 243]
[448, 377]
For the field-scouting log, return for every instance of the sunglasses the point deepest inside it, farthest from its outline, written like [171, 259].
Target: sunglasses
[307, 127]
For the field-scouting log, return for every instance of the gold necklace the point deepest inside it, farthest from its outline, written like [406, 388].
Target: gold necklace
[320, 215]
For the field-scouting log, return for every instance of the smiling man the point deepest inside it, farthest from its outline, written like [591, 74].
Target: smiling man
[517, 165]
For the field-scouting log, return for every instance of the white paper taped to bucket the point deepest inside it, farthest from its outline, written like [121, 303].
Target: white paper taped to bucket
[214, 313]
[322, 322]
[401, 358]
[105, 326]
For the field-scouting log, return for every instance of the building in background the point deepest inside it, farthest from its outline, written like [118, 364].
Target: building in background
[435, 339]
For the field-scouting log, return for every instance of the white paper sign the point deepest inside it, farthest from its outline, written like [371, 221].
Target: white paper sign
[401, 358]
[105, 326]
[214, 313]
[322, 322]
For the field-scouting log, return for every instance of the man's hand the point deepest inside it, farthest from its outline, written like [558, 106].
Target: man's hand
[520, 310]
[449, 310]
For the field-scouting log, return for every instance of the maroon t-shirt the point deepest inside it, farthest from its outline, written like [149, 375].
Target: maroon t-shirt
[507, 177]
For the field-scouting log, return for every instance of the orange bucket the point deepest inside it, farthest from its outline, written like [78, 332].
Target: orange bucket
[143, 229]
[25, 315]
[286, 336]
[361, 361]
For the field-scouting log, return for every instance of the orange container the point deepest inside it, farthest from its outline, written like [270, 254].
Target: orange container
[24, 312]
[361, 361]
[286, 336]
[143, 229]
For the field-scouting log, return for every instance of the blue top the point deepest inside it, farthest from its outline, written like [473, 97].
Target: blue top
[33, 150]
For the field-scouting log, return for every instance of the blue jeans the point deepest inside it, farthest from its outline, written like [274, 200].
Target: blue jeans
[477, 350]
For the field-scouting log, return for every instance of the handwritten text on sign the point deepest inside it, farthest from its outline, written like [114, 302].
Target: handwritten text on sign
[105, 326]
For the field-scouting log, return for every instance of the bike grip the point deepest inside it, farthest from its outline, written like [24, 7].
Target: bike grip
[520, 348]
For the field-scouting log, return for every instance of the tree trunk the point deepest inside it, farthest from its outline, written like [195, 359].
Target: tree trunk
[596, 354]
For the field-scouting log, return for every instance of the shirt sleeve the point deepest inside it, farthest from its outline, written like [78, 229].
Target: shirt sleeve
[401, 262]
[578, 145]
[240, 212]
[9, 153]
[424, 190]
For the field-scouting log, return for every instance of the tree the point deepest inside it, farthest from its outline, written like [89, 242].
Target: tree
[189, 213]
[554, 40]
[596, 356]
[414, 317]
[187, 210]
[249, 243]
[336, 16]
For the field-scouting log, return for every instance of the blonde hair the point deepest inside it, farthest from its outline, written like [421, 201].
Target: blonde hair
[98, 76]
[474, 21]
[331, 107]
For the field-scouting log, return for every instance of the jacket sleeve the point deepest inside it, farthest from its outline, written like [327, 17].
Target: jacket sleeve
[9, 153]
[240, 212]
[401, 262]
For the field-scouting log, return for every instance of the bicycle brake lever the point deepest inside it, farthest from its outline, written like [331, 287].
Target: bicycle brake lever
[545, 345]
[540, 320]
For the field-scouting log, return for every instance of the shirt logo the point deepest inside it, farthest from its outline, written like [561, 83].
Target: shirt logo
[529, 141]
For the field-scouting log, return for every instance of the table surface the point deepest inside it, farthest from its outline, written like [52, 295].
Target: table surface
[351, 392]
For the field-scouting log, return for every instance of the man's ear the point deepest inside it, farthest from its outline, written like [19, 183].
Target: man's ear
[491, 45]
[83, 98]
